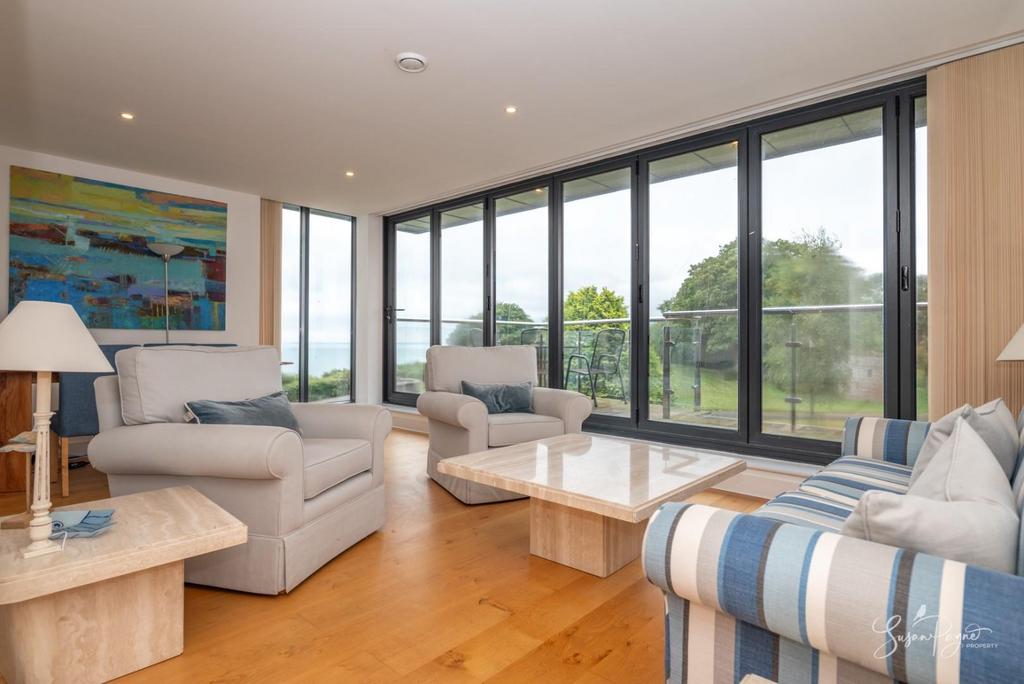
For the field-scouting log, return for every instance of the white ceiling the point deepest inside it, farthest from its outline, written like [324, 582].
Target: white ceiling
[281, 98]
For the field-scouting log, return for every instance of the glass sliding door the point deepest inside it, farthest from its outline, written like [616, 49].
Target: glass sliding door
[330, 307]
[462, 276]
[411, 314]
[597, 255]
[521, 273]
[921, 251]
[693, 374]
[822, 262]
[291, 299]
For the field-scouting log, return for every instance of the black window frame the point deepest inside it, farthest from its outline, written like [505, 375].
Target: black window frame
[899, 334]
[304, 214]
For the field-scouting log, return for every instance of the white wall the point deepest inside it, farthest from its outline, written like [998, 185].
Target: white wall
[243, 244]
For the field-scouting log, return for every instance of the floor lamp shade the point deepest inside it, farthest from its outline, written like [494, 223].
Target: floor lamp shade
[48, 336]
[1014, 350]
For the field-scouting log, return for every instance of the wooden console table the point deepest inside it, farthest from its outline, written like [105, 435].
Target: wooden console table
[112, 604]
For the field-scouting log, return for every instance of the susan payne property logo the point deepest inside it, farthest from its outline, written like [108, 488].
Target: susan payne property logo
[946, 637]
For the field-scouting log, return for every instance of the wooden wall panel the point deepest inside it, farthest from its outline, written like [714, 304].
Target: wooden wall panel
[270, 273]
[976, 228]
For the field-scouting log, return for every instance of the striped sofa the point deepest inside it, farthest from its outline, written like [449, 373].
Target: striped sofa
[780, 594]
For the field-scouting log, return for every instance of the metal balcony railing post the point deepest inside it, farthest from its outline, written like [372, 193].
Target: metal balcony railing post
[793, 345]
[666, 371]
[698, 361]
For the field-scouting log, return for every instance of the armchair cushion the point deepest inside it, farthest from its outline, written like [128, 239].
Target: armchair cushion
[327, 462]
[447, 367]
[514, 428]
[156, 382]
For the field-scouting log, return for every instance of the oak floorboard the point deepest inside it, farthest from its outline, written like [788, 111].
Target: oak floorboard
[443, 593]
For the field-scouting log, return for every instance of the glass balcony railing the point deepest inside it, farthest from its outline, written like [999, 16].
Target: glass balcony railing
[818, 366]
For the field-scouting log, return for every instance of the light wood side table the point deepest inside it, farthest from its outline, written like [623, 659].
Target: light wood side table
[111, 604]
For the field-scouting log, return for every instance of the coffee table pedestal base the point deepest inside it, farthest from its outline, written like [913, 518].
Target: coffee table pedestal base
[583, 540]
[96, 632]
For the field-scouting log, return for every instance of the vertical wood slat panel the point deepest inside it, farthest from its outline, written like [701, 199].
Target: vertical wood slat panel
[976, 228]
[270, 272]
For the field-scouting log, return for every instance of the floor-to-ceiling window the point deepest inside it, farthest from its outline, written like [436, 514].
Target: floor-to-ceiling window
[316, 304]
[409, 313]
[597, 255]
[920, 198]
[747, 288]
[822, 261]
[693, 285]
[521, 274]
[462, 276]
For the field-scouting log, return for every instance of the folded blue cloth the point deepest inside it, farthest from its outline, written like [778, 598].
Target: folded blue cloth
[80, 523]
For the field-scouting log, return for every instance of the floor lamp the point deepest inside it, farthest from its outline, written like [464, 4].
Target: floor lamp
[44, 338]
[166, 250]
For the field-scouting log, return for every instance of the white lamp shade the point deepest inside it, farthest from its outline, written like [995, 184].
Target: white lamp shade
[48, 336]
[1014, 351]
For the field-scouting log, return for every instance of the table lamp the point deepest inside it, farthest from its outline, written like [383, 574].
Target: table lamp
[44, 338]
[1014, 350]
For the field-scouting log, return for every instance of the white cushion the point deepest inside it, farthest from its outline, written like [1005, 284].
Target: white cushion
[327, 462]
[993, 422]
[155, 382]
[514, 428]
[447, 367]
[960, 508]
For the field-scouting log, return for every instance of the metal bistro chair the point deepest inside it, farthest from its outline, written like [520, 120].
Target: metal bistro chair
[603, 361]
[538, 338]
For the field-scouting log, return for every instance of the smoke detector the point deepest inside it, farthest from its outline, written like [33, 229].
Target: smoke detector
[411, 62]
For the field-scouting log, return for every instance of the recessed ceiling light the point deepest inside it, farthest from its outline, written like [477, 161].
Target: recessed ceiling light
[511, 109]
[350, 173]
[411, 62]
[127, 116]
[539, 190]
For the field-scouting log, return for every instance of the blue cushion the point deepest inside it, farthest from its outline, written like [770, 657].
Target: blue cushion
[273, 409]
[517, 398]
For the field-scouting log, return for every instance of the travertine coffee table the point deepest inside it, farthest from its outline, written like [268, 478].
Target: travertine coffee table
[591, 496]
[112, 604]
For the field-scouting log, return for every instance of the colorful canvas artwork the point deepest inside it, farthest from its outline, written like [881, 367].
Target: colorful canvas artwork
[85, 243]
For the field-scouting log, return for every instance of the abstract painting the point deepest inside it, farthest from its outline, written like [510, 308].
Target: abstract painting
[85, 243]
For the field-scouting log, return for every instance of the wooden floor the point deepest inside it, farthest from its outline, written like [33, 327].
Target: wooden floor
[443, 593]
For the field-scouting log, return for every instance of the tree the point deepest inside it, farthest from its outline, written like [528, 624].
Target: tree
[588, 303]
[470, 334]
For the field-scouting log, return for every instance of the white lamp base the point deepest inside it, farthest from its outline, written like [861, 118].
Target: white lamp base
[41, 525]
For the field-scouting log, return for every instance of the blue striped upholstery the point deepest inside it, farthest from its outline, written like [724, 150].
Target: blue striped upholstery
[807, 509]
[748, 594]
[884, 439]
[846, 479]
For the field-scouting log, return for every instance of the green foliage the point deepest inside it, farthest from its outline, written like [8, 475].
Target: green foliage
[464, 336]
[333, 384]
[589, 303]
[809, 270]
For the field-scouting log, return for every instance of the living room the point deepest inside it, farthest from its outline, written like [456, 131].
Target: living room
[616, 342]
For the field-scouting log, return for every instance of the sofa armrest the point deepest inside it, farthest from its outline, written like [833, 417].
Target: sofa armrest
[457, 410]
[896, 612]
[327, 420]
[884, 439]
[572, 407]
[248, 452]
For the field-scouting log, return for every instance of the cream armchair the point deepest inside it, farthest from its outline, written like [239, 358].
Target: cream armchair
[305, 497]
[460, 424]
